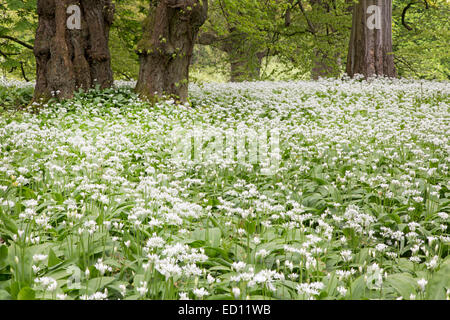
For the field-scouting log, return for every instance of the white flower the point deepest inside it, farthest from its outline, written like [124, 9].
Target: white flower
[142, 289]
[155, 242]
[123, 289]
[101, 267]
[289, 265]
[200, 293]
[381, 247]
[443, 215]
[184, 296]
[262, 253]
[238, 266]
[433, 263]
[96, 296]
[293, 276]
[374, 277]
[47, 283]
[236, 292]
[422, 283]
[346, 255]
[39, 257]
[210, 279]
[310, 289]
[146, 266]
[342, 290]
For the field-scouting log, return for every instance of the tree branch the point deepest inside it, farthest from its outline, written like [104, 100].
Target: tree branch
[6, 54]
[404, 16]
[23, 72]
[207, 38]
[310, 25]
[26, 45]
[406, 9]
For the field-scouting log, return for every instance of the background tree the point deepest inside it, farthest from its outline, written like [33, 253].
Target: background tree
[307, 35]
[166, 48]
[72, 59]
[125, 33]
[239, 28]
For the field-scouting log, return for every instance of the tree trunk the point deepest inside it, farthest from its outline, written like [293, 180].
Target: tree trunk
[371, 40]
[165, 50]
[245, 65]
[326, 64]
[72, 58]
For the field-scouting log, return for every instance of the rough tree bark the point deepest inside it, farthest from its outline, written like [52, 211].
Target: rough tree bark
[165, 50]
[72, 59]
[371, 40]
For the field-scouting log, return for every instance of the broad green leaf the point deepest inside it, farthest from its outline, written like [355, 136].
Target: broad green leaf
[8, 222]
[439, 282]
[3, 256]
[26, 294]
[53, 260]
[99, 283]
[4, 295]
[403, 283]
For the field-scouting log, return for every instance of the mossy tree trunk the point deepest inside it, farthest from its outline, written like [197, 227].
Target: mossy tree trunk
[165, 50]
[75, 58]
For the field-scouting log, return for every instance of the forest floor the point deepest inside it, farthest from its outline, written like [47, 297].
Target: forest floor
[262, 190]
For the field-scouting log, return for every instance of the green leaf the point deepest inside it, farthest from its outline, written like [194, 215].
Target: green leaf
[220, 297]
[403, 283]
[4, 295]
[3, 256]
[439, 282]
[8, 223]
[212, 236]
[358, 287]
[53, 260]
[97, 284]
[26, 294]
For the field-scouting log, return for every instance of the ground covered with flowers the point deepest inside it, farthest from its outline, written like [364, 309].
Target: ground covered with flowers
[94, 206]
